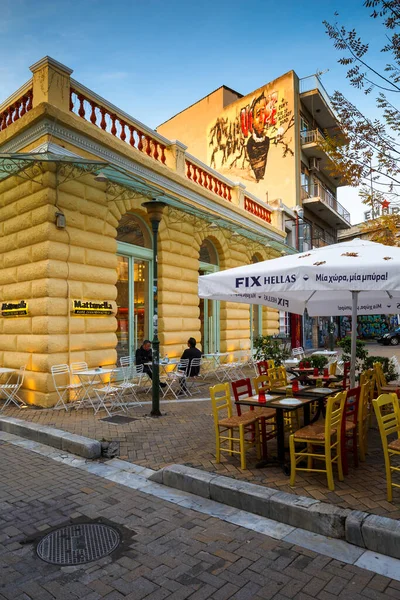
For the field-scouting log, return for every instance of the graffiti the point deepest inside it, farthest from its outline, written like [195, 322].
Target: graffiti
[369, 326]
[246, 141]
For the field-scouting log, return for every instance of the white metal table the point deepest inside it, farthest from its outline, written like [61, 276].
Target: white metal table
[89, 379]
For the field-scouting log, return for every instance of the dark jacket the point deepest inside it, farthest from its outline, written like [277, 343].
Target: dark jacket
[192, 353]
[143, 356]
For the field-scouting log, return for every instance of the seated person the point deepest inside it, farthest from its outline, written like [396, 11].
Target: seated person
[191, 352]
[144, 355]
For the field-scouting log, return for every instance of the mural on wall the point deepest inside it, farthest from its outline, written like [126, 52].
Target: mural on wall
[245, 140]
[369, 326]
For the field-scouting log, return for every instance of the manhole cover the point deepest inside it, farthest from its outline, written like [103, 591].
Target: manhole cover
[78, 544]
[118, 419]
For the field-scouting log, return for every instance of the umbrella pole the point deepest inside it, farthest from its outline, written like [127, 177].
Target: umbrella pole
[354, 298]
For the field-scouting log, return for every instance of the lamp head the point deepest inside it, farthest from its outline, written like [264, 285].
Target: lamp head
[154, 210]
[101, 177]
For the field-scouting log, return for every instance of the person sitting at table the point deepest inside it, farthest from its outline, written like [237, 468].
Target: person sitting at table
[191, 352]
[144, 356]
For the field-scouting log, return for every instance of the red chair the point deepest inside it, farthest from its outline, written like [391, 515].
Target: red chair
[346, 375]
[242, 388]
[264, 365]
[349, 428]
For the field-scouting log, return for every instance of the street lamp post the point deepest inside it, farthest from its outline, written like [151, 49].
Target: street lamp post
[155, 210]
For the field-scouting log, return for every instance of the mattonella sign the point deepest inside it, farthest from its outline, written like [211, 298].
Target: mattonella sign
[17, 308]
[91, 307]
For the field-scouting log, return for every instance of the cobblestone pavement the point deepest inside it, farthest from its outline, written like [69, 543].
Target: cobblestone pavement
[185, 435]
[167, 552]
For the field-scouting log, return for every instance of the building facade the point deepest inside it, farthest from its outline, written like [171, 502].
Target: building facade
[76, 244]
[271, 140]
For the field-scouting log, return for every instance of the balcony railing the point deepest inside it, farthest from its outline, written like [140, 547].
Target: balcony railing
[317, 190]
[96, 110]
[314, 136]
[209, 179]
[257, 209]
[16, 106]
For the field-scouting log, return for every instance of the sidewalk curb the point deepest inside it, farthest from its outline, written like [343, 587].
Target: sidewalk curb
[68, 442]
[372, 532]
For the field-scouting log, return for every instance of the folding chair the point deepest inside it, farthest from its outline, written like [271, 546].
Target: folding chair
[178, 375]
[76, 384]
[10, 390]
[61, 379]
[130, 383]
[110, 392]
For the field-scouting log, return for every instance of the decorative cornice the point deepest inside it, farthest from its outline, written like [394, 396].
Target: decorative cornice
[51, 62]
[47, 126]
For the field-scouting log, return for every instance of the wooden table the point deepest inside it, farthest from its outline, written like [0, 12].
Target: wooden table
[303, 398]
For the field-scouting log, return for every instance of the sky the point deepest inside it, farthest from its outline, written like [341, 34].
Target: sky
[153, 58]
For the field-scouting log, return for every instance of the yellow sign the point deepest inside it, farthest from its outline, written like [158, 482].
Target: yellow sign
[18, 308]
[91, 307]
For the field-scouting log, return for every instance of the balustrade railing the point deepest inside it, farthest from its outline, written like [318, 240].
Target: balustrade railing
[16, 109]
[208, 180]
[317, 190]
[91, 109]
[314, 136]
[257, 209]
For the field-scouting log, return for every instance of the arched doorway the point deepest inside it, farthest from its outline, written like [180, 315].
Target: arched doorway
[134, 298]
[255, 314]
[209, 309]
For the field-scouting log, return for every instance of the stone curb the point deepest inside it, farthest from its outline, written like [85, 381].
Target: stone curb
[69, 442]
[372, 532]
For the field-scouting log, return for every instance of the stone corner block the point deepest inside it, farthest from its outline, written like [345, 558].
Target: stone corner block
[157, 476]
[293, 510]
[382, 535]
[246, 496]
[80, 445]
[188, 479]
[329, 520]
[308, 513]
[50, 436]
[353, 527]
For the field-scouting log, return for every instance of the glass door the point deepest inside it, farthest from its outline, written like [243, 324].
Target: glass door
[134, 299]
[209, 317]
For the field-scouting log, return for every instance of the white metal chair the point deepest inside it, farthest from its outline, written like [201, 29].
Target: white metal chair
[298, 352]
[10, 390]
[75, 368]
[131, 383]
[177, 376]
[126, 361]
[61, 379]
[110, 392]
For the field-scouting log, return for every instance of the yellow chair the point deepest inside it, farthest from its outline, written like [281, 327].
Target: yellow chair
[246, 424]
[368, 376]
[327, 434]
[333, 368]
[386, 409]
[277, 377]
[382, 385]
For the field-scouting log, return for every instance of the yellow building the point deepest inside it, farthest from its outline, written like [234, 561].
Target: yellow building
[75, 243]
[271, 140]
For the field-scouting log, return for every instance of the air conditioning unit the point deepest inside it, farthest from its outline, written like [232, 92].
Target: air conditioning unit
[314, 164]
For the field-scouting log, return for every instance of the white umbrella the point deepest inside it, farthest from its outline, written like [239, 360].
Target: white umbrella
[351, 278]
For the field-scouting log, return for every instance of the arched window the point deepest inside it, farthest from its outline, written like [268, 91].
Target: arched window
[208, 253]
[132, 230]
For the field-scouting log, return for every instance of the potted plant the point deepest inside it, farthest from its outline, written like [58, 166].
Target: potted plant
[318, 361]
[269, 348]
